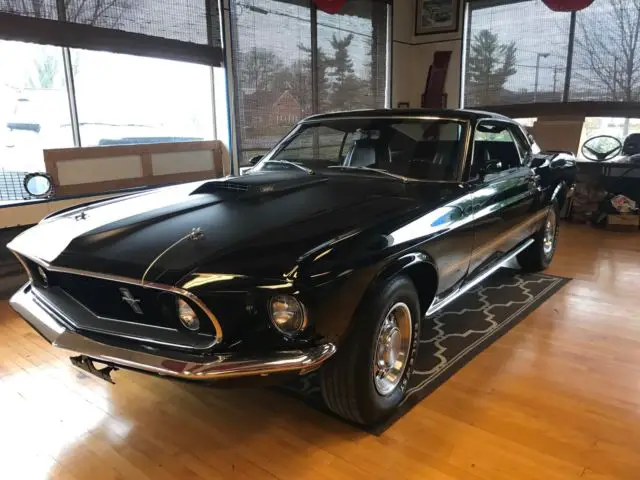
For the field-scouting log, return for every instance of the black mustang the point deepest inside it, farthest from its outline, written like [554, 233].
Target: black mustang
[327, 253]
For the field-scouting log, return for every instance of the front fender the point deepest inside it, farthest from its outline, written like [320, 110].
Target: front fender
[335, 313]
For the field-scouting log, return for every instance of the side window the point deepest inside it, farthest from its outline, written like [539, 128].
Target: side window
[523, 145]
[496, 148]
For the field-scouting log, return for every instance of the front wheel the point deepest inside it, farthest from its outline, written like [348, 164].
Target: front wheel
[368, 376]
[539, 254]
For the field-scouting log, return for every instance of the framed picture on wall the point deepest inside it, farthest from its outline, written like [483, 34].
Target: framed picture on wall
[436, 16]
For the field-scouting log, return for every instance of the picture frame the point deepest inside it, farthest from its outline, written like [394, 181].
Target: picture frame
[436, 16]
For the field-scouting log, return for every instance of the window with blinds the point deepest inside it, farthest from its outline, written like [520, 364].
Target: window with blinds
[352, 57]
[525, 61]
[273, 59]
[272, 70]
[187, 30]
[514, 61]
[606, 56]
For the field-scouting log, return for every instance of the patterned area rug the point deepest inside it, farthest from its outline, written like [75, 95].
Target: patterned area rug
[456, 334]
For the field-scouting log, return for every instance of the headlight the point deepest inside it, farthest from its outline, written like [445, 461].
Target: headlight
[188, 316]
[287, 314]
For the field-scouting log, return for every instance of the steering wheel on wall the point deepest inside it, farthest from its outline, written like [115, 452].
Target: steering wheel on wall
[601, 148]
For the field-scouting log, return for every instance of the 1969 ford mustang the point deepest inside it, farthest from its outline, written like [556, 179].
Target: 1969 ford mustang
[327, 254]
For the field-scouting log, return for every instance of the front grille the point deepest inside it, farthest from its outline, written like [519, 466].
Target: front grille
[105, 299]
[108, 299]
[100, 306]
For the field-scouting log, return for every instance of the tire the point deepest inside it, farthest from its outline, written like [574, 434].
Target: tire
[539, 254]
[347, 380]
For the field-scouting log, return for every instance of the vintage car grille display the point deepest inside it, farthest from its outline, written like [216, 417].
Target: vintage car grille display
[118, 308]
[105, 299]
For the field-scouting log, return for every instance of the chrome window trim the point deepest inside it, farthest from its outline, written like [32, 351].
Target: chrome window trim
[130, 281]
[385, 117]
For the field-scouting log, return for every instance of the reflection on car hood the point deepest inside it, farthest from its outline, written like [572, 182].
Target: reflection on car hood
[257, 225]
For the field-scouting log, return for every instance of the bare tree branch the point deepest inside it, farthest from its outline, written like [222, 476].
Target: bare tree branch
[108, 13]
[607, 48]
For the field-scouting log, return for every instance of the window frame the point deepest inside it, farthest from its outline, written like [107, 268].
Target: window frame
[514, 131]
[466, 138]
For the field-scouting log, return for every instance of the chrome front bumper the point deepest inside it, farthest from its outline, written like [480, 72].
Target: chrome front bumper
[211, 367]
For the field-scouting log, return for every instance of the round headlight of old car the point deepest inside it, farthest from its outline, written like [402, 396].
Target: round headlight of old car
[287, 314]
[188, 317]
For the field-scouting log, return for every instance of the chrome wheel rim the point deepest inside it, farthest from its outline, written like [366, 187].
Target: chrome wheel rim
[549, 234]
[391, 352]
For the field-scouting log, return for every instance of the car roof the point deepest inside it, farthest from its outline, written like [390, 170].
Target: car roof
[464, 114]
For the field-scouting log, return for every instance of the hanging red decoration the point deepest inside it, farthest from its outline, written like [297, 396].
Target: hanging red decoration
[329, 6]
[567, 5]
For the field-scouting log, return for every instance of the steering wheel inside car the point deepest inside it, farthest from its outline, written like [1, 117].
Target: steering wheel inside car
[601, 148]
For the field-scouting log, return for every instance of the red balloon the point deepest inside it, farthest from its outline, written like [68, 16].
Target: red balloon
[329, 6]
[567, 5]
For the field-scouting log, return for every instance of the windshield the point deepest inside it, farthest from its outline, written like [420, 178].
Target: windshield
[425, 149]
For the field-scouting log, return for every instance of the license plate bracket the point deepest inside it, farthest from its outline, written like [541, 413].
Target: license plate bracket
[86, 364]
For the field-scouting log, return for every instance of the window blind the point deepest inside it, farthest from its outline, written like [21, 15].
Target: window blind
[273, 58]
[352, 56]
[187, 30]
[525, 61]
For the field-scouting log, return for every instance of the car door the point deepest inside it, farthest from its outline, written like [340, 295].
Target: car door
[503, 193]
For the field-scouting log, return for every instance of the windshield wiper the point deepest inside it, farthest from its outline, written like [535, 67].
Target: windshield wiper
[374, 170]
[293, 164]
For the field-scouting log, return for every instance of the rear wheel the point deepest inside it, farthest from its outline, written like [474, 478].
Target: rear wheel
[367, 378]
[539, 254]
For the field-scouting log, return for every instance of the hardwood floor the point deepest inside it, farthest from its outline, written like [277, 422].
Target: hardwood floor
[557, 397]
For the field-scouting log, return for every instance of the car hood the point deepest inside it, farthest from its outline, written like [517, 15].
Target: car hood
[254, 225]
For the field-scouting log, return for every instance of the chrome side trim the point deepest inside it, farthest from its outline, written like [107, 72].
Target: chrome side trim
[201, 368]
[445, 301]
[129, 281]
[557, 191]
[480, 250]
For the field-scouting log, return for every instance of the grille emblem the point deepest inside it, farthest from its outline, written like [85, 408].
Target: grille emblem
[43, 277]
[130, 300]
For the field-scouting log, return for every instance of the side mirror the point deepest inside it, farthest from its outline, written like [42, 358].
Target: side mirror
[537, 162]
[38, 185]
[255, 159]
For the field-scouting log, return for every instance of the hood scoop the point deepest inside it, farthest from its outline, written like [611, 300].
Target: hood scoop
[261, 183]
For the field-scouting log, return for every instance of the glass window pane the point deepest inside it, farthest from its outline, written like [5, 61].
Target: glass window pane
[272, 61]
[351, 57]
[125, 99]
[616, 127]
[510, 61]
[606, 60]
[34, 112]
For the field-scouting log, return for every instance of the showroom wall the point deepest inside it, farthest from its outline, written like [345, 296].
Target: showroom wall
[413, 54]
